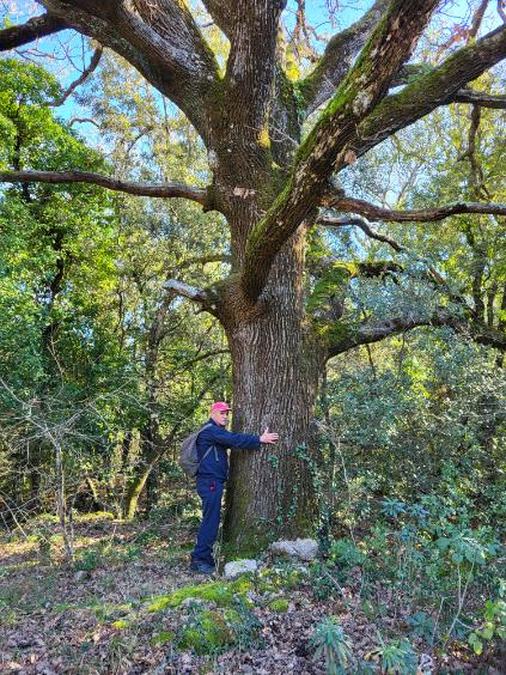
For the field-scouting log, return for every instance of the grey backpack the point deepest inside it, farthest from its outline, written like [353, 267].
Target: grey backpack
[188, 457]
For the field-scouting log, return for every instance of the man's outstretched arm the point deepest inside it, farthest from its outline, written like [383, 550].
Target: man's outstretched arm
[241, 441]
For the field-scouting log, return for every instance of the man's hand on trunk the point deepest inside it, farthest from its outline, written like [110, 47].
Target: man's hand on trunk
[268, 437]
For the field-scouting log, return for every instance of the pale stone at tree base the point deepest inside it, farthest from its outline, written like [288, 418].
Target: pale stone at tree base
[303, 549]
[235, 567]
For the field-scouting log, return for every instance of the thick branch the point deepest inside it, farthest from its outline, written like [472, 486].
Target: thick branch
[172, 56]
[338, 58]
[374, 212]
[369, 332]
[221, 13]
[327, 147]
[174, 23]
[250, 72]
[411, 71]
[142, 189]
[39, 26]
[430, 90]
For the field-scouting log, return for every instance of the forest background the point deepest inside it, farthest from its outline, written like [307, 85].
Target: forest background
[105, 368]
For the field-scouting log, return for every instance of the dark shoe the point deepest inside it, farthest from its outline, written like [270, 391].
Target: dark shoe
[202, 568]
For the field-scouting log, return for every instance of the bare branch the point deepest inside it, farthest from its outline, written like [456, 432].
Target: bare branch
[95, 60]
[84, 120]
[477, 19]
[191, 292]
[364, 225]
[501, 9]
[202, 357]
[374, 212]
[142, 189]
[39, 26]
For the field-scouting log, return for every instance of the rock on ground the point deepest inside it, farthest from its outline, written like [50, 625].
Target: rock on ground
[303, 549]
[235, 567]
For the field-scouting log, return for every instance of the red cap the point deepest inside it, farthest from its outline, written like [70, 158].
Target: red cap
[220, 406]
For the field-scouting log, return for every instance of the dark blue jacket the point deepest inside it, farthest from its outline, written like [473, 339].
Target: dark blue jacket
[215, 465]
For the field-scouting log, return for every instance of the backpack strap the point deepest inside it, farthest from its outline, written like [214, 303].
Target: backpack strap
[206, 426]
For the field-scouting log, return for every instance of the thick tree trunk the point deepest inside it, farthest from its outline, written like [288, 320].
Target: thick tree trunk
[276, 363]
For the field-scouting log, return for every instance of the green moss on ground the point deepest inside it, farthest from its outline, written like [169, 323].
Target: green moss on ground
[213, 631]
[222, 593]
[279, 605]
[206, 633]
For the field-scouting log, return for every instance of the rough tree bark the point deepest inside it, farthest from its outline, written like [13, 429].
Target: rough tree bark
[269, 186]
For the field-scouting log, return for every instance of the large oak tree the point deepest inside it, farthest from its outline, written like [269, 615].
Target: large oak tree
[270, 183]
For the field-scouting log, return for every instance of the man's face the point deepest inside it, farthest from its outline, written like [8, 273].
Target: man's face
[221, 417]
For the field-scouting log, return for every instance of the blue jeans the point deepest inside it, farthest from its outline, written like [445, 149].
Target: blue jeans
[210, 491]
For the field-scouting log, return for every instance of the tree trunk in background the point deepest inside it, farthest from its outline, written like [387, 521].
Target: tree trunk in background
[152, 485]
[149, 454]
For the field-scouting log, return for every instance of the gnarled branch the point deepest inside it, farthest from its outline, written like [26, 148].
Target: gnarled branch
[196, 194]
[39, 26]
[368, 332]
[374, 212]
[364, 225]
[173, 57]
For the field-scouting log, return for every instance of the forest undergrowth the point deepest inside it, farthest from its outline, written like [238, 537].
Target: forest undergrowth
[419, 590]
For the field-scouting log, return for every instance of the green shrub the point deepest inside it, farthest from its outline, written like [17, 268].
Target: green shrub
[163, 637]
[493, 623]
[331, 642]
[324, 585]
[398, 658]
[88, 559]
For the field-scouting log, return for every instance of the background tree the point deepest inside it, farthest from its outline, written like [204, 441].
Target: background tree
[269, 178]
[93, 349]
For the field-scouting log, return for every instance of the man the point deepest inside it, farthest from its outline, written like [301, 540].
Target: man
[212, 444]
